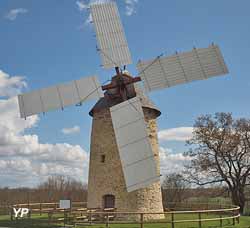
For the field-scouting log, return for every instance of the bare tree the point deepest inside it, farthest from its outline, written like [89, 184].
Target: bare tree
[61, 183]
[221, 154]
[56, 187]
[174, 189]
[51, 190]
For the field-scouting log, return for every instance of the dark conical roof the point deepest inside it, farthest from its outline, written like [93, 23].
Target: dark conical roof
[107, 102]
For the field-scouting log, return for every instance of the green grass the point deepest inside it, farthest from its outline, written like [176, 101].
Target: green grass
[38, 221]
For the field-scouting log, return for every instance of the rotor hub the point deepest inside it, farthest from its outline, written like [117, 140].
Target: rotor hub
[121, 86]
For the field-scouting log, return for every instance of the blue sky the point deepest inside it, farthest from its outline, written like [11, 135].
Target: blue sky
[50, 43]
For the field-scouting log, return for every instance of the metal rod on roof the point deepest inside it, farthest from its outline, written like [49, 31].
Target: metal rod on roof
[117, 70]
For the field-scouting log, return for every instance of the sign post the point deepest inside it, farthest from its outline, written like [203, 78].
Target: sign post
[64, 204]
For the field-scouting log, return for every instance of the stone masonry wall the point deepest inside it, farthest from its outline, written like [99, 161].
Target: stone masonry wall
[107, 178]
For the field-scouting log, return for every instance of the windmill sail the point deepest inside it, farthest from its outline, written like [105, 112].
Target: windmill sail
[137, 158]
[60, 96]
[198, 64]
[111, 38]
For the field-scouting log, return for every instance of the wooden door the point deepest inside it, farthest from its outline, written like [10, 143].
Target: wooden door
[109, 201]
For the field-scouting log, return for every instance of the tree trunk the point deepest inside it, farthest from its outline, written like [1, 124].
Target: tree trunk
[242, 200]
[238, 198]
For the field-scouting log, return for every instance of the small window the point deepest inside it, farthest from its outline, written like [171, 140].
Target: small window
[102, 158]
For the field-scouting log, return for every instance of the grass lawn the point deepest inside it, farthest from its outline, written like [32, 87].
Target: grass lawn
[38, 221]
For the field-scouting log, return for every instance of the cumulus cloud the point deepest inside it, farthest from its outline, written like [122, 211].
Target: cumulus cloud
[81, 5]
[24, 160]
[72, 130]
[176, 134]
[172, 162]
[13, 13]
[130, 7]
[10, 86]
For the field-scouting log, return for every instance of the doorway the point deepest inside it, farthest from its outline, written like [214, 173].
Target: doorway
[109, 201]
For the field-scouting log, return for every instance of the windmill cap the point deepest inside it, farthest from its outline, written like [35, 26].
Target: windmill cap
[107, 102]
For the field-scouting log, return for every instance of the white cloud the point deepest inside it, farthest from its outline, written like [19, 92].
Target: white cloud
[82, 5]
[176, 134]
[26, 161]
[13, 13]
[72, 130]
[172, 162]
[130, 7]
[10, 86]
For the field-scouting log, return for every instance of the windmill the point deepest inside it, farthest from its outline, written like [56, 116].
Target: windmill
[124, 158]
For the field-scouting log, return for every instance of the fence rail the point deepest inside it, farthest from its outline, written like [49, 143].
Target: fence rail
[106, 215]
[78, 214]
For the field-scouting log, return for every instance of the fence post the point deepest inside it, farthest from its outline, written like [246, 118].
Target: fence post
[11, 213]
[221, 221]
[238, 219]
[49, 218]
[40, 208]
[90, 217]
[64, 213]
[199, 215]
[29, 214]
[142, 220]
[172, 219]
[107, 221]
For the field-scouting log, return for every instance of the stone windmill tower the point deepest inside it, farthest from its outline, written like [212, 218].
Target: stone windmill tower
[106, 185]
[124, 159]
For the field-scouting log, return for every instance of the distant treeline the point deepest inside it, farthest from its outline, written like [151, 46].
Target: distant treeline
[52, 190]
[59, 187]
[174, 196]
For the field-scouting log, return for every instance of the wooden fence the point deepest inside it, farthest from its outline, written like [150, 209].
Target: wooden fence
[41, 207]
[80, 215]
[91, 218]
